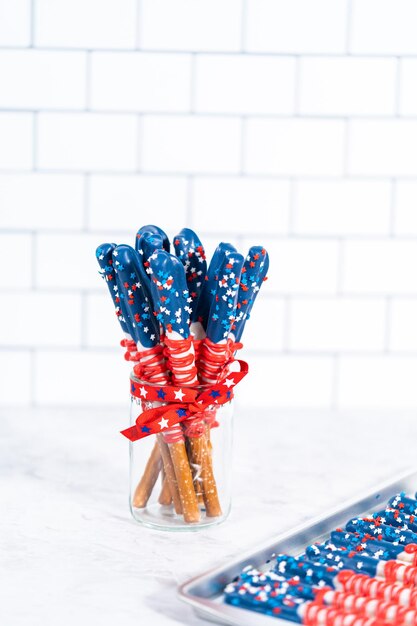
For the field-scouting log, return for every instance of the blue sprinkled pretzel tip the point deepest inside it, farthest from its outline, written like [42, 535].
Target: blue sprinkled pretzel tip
[190, 252]
[104, 257]
[149, 244]
[205, 300]
[254, 273]
[224, 297]
[145, 330]
[170, 294]
[151, 229]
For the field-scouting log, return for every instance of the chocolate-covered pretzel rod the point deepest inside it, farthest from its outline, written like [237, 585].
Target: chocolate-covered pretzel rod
[372, 546]
[254, 272]
[170, 297]
[215, 349]
[348, 588]
[152, 362]
[326, 564]
[404, 503]
[208, 289]
[376, 528]
[327, 608]
[190, 252]
[395, 517]
[104, 255]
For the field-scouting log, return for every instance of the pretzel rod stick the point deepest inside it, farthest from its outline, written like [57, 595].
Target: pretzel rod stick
[170, 477]
[146, 334]
[165, 497]
[196, 471]
[149, 478]
[201, 457]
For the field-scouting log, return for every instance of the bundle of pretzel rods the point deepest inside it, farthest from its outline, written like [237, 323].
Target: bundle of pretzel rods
[182, 323]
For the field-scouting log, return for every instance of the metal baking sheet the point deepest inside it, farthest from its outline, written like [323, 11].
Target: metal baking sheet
[205, 592]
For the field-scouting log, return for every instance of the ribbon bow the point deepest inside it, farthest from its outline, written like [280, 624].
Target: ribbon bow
[191, 402]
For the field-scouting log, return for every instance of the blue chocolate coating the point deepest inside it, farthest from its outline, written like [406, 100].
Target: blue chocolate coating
[104, 257]
[380, 549]
[224, 298]
[145, 330]
[388, 533]
[331, 556]
[151, 229]
[205, 300]
[190, 252]
[254, 272]
[170, 294]
[405, 504]
[309, 571]
[395, 517]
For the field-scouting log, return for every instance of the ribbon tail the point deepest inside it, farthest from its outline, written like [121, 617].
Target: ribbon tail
[131, 433]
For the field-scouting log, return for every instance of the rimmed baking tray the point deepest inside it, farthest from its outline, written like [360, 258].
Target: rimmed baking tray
[205, 592]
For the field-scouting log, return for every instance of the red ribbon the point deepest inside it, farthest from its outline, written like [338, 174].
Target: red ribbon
[191, 402]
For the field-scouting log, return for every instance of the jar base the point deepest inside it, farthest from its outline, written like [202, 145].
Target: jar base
[159, 517]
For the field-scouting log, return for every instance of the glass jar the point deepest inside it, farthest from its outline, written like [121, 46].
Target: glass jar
[180, 478]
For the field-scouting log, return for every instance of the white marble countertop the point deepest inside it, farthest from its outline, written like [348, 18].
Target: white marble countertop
[70, 552]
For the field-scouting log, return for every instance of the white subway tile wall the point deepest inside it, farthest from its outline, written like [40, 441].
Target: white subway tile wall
[287, 124]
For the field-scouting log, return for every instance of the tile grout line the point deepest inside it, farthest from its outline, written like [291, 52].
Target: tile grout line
[35, 122]
[32, 23]
[393, 208]
[86, 201]
[243, 25]
[83, 325]
[243, 138]
[297, 86]
[349, 20]
[215, 174]
[398, 84]
[32, 377]
[88, 79]
[346, 148]
[193, 83]
[286, 331]
[340, 269]
[254, 115]
[138, 25]
[388, 324]
[215, 52]
[334, 401]
[292, 208]
[189, 203]
[34, 263]
[139, 145]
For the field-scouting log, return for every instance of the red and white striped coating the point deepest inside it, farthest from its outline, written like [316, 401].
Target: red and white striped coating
[398, 572]
[362, 585]
[317, 615]
[366, 607]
